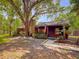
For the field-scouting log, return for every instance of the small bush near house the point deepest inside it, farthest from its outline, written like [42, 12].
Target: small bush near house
[74, 39]
[40, 35]
[15, 34]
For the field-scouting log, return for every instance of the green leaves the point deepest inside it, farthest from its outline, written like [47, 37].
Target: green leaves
[75, 4]
[4, 2]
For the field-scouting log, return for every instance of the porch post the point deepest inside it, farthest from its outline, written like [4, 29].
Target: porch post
[64, 31]
[38, 29]
[45, 29]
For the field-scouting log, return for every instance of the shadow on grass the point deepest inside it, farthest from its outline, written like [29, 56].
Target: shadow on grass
[15, 44]
[46, 53]
[33, 50]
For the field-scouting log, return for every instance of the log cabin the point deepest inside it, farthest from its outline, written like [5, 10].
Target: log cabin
[53, 29]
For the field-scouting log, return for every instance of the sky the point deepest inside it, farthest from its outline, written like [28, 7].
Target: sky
[63, 3]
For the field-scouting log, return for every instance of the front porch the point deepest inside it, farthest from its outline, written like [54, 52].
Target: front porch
[53, 31]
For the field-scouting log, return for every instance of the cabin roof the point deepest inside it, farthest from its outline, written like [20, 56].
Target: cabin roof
[52, 24]
[60, 23]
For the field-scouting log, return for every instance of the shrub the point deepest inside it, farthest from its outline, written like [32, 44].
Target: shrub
[40, 36]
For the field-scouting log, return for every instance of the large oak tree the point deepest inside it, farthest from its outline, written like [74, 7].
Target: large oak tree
[30, 10]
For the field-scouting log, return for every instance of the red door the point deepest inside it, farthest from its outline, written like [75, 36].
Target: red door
[51, 31]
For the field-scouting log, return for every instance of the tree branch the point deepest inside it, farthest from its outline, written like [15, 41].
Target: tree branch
[35, 3]
[16, 9]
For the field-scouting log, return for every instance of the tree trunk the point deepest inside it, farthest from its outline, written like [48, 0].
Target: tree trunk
[10, 30]
[26, 16]
[26, 29]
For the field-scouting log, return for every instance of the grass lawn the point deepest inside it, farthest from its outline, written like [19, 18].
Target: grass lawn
[74, 37]
[4, 39]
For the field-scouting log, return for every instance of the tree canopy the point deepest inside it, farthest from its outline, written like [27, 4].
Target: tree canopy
[29, 10]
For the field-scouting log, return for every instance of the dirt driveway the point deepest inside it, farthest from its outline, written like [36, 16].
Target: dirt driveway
[34, 49]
